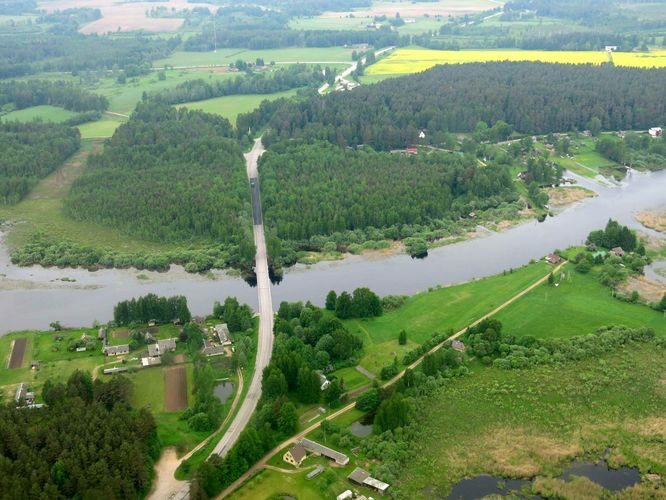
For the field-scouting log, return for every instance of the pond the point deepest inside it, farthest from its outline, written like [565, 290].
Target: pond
[223, 390]
[31, 298]
[361, 428]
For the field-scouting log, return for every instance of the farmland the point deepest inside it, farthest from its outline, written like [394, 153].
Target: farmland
[414, 60]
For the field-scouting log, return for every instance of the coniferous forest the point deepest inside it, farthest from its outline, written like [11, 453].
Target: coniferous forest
[87, 443]
[168, 175]
[31, 151]
[535, 98]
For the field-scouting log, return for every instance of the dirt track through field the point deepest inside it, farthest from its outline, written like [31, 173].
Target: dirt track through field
[175, 388]
[18, 351]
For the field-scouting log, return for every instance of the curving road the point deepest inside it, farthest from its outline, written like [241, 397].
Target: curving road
[265, 340]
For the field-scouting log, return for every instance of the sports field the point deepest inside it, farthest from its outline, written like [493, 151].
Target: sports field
[406, 61]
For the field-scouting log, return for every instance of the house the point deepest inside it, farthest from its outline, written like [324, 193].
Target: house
[345, 495]
[553, 259]
[457, 345]
[422, 134]
[166, 345]
[116, 350]
[321, 450]
[323, 381]
[222, 332]
[411, 151]
[211, 349]
[148, 337]
[610, 48]
[656, 132]
[363, 478]
[617, 251]
[23, 397]
[153, 350]
[295, 455]
[315, 472]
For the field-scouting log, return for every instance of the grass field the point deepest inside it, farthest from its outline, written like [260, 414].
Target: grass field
[586, 161]
[413, 60]
[578, 306]
[437, 310]
[44, 113]
[100, 129]
[226, 56]
[420, 24]
[231, 106]
[522, 423]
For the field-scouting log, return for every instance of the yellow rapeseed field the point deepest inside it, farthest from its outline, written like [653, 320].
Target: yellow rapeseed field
[404, 61]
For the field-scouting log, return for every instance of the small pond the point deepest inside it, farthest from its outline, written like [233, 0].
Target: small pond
[360, 429]
[599, 473]
[223, 390]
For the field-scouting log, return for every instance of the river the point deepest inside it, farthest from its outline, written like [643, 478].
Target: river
[31, 298]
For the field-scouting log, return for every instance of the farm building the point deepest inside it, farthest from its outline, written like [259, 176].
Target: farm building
[117, 369]
[295, 455]
[656, 132]
[151, 361]
[617, 251]
[553, 259]
[363, 478]
[321, 450]
[116, 350]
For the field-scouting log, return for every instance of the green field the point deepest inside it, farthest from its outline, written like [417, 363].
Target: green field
[231, 106]
[578, 306]
[522, 423]
[585, 160]
[437, 310]
[420, 24]
[44, 113]
[226, 56]
[101, 129]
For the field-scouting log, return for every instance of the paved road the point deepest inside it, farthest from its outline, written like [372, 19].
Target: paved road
[353, 394]
[342, 77]
[265, 342]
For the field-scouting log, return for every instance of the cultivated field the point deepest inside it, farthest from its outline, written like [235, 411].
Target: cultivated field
[18, 351]
[406, 61]
[175, 388]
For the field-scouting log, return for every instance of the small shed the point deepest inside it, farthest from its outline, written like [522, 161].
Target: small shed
[458, 345]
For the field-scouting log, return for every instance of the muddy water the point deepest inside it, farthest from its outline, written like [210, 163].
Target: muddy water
[33, 297]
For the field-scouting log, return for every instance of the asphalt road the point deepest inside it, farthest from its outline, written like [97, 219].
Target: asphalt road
[265, 342]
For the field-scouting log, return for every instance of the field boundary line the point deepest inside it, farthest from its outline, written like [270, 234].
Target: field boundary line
[261, 464]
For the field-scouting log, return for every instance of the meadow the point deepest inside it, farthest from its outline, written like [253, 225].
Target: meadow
[526, 423]
[233, 105]
[414, 60]
[436, 311]
[45, 113]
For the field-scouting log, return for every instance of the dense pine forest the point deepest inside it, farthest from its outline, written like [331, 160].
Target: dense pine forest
[319, 189]
[535, 98]
[31, 151]
[169, 175]
[87, 443]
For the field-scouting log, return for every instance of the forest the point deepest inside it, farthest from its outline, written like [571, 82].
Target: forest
[535, 98]
[341, 189]
[31, 151]
[20, 95]
[87, 443]
[152, 308]
[169, 175]
[278, 80]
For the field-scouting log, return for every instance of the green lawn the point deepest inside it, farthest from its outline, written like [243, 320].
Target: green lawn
[522, 423]
[352, 377]
[231, 106]
[586, 160]
[44, 113]
[438, 310]
[226, 56]
[580, 305]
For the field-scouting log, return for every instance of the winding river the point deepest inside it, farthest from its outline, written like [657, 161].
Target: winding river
[32, 297]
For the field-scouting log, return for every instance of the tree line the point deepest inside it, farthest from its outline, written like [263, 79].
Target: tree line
[534, 98]
[31, 151]
[20, 95]
[340, 189]
[152, 308]
[87, 443]
[277, 80]
[169, 175]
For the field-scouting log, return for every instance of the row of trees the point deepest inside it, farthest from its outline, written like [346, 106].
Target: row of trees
[87, 443]
[152, 308]
[278, 80]
[535, 98]
[31, 151]
[169, 175]
[19, 95]
[346, 190]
